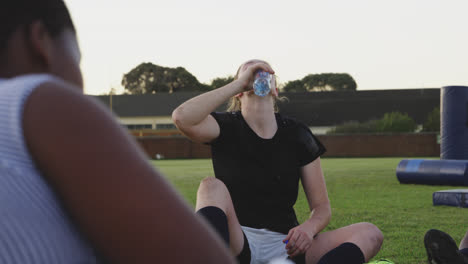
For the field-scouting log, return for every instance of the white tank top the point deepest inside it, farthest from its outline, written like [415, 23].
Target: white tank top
[33, 226]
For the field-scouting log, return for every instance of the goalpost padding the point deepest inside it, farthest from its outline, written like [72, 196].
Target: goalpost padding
[454, 123]
[458, 198]
[452, 169]
[433, 172]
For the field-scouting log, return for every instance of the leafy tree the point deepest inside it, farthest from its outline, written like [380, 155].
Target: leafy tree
[294, 86]
[329, 81]
[394, 122]
[354, 127]
[316, 82]
[221, 81]
[322, 82]
[432, 123]
[151, 78]
[341, 82]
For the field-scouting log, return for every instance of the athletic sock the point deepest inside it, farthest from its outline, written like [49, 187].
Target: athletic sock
[345, 253]
[245, 255]
[218, 220]
[464, 252]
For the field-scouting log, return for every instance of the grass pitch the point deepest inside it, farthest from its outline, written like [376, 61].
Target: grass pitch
[360, 190]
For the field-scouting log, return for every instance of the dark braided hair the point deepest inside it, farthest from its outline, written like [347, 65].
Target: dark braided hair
[15, 13]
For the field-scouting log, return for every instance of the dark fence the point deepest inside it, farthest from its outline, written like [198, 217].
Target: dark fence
[383, 145]
[362, 145]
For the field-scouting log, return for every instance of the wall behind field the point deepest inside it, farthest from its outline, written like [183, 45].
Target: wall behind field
[365, 145]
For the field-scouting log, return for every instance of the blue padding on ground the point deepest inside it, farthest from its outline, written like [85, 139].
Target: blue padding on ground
[433, 172]
[458, 198]
[454, 123]
[413, 165]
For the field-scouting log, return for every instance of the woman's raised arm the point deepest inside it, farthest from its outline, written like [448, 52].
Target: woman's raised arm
[193, 117]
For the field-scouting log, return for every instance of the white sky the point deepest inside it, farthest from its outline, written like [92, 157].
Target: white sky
[382, 44]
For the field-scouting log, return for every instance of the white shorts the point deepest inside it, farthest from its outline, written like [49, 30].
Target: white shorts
[265, 245]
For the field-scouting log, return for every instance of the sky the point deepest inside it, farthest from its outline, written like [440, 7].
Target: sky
[394, 44]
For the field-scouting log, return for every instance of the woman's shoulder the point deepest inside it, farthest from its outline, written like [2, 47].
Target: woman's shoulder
[289, 122]
[26, 80]
[15, 95]
[227, 117]
[295, 128]
[19, 87]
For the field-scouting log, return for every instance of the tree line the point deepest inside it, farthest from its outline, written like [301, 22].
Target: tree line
[394, 122]
[148, 78]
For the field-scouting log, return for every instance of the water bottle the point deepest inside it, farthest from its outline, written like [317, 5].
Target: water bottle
[262, 83]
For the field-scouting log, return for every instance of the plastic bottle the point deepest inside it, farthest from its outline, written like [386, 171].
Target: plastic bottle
[262, 83]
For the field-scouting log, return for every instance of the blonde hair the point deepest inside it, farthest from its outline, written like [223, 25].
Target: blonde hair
[234, 103]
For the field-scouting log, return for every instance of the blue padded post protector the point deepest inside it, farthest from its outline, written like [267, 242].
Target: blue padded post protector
[433, 172]
[454, 123]
[458, 198]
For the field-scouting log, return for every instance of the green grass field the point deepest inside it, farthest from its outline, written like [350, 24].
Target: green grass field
[364, 189]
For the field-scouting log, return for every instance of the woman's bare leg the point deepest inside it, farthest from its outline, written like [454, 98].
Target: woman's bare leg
[464, 242]
[213, 192]
[364, 235]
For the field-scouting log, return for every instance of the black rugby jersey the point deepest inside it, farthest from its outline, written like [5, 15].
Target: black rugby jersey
[262, 175]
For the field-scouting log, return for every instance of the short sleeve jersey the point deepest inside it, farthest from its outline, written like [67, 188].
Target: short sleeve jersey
[262, 175]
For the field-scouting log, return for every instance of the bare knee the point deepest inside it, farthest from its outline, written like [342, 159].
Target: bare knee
[211, 184]
[374, 234]
[213, 192]
[464, 242]
[370, 239]
[210, 181]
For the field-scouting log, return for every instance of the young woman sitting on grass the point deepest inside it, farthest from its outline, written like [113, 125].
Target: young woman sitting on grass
[74, 186]
[259, 156]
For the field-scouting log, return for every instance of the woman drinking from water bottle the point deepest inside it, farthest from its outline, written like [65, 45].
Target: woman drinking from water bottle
[259, 156]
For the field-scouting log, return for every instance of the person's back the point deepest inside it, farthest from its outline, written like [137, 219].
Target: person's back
[34, 228]
[73, 183]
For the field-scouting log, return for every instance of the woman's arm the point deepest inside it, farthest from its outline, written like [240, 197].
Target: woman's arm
[315, 189]
[193, 117]
[121, 204]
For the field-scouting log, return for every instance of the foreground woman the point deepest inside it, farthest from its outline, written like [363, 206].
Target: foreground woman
[74, 186]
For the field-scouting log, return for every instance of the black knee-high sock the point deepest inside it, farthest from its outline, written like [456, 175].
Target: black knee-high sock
[464, 251]
[347, 253]
[218, 220]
